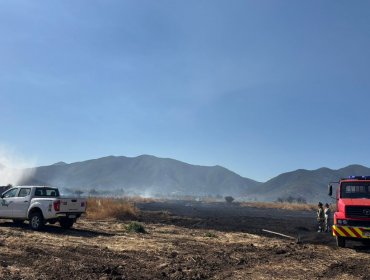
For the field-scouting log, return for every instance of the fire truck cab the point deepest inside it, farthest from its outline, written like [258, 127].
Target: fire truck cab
[352, 216]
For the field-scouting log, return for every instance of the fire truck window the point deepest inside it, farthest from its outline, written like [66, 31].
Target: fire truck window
[356, 189]
[362, 190]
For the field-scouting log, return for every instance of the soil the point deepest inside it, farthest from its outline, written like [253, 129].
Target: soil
[184, 240]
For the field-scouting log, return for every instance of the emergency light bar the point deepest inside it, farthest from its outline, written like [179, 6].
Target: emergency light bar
[358, 178]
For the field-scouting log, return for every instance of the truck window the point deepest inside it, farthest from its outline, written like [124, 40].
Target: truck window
[10, 193]
[24, 192]
[355, 190]
[46, 192]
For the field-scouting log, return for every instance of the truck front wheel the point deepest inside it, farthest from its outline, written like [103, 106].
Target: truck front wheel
[341, 242]
[66, 223]
[36, 221]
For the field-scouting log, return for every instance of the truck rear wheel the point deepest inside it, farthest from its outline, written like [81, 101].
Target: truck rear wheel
[341, 241]
[66, 223]
[36, 221]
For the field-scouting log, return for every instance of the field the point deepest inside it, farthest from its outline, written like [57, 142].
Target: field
[183, 240]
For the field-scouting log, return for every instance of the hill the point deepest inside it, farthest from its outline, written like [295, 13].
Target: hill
[145, 175]
[308, 184]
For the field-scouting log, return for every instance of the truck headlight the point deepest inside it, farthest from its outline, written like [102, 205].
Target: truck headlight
[342, 222]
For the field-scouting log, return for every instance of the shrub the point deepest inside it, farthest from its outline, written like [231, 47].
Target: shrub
[210, 235]
[136, 227]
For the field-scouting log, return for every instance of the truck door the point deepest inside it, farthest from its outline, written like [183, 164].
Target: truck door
[21, 203]
[6, 203]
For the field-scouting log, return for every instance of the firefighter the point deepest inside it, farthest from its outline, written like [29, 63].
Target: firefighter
[320, 217]
[327, 215]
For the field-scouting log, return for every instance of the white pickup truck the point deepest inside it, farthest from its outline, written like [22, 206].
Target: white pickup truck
[40, 205]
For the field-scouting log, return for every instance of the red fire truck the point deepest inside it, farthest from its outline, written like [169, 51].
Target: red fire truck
[352, 216]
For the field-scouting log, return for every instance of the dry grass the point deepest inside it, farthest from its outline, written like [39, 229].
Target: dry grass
[140, 199]
[278, 205]
[103, 208]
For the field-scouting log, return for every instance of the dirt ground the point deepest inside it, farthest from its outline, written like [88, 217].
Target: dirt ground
[183, 241]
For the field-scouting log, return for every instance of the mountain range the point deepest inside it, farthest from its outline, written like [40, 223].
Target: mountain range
[308, 184]
[142, 175]
[153, 176]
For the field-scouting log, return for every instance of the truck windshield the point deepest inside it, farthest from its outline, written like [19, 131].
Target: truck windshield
[355, 190]
[46, 192]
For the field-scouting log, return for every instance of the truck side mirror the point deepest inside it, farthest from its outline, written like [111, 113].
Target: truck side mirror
[330, 190]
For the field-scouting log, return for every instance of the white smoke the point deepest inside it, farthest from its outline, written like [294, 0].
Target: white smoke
[13, 167]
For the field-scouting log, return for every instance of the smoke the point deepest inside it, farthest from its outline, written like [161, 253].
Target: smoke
[14, 169]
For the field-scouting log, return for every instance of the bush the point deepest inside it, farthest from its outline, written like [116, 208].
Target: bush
[136, 227]
[210, 235]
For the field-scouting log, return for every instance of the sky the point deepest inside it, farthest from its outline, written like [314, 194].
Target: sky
[259, 87]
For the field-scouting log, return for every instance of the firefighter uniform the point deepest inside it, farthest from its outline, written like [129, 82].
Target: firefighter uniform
[320, 217]
[327, 213]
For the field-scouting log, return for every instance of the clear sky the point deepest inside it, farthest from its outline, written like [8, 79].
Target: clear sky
[259, 87]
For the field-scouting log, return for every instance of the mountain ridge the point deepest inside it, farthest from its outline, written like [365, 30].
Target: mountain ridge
[151, 175]
[144, 173]
[308, 184]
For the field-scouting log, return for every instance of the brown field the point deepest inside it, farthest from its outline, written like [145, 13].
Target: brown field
[183, 241]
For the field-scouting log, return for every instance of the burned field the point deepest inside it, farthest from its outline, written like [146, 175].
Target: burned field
[184, 240]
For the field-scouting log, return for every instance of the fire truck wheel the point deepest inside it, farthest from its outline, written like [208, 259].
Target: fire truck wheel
[341, 242]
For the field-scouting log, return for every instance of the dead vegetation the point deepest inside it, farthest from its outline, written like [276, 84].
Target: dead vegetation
[104, 208]
[278, 205]
[140, 199]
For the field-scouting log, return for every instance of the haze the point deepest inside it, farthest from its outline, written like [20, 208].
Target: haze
[260, 87]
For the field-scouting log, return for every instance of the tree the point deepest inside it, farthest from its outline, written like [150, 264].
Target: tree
[301, 200]
[78, 192]
[93, 192]
[290, 199]
[229, 199]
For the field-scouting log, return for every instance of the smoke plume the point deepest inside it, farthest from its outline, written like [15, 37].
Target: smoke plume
[13, 167]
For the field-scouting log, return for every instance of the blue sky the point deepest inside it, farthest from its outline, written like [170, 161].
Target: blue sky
[259, 87]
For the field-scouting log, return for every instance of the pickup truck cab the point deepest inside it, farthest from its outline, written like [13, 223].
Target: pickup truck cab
[40, 205]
